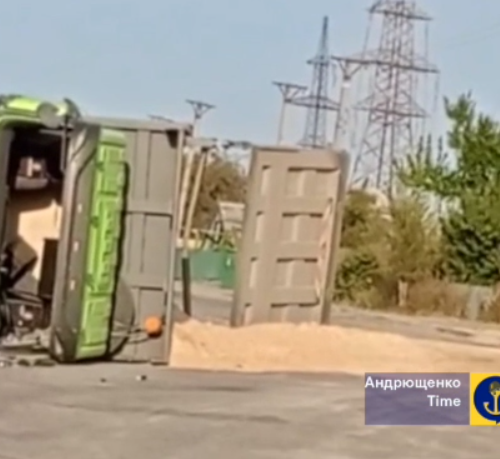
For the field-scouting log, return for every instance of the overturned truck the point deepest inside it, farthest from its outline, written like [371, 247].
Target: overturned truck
[87, 230]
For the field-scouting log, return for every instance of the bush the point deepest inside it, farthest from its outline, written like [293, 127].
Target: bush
[357, 274]
[387, 251]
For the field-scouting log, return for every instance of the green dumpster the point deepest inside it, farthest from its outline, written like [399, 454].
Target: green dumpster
[206, 265]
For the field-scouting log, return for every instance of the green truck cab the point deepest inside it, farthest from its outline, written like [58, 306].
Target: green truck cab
[78, 197]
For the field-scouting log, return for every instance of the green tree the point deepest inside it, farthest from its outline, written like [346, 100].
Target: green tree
[362, 234]
[223, 180]
[468, 182]
[412, 241]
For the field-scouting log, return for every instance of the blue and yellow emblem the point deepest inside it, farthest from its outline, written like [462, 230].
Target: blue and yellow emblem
[485, 399]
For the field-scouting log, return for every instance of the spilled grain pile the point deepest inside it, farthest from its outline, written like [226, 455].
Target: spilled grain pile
[312, 348]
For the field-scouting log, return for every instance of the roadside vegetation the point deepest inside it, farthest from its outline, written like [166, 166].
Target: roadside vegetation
[438, 241]
[223, 180]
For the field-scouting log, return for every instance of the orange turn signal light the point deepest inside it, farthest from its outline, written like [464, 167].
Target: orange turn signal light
[153, 326]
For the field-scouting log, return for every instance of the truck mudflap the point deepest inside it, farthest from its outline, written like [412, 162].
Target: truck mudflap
[90, 246]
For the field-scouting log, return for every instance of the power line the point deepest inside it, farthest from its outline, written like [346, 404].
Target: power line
[473, 40]
[473, 34]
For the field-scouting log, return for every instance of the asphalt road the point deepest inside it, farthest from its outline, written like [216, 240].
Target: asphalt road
[108, 412]
[206, 308]
[115, 411]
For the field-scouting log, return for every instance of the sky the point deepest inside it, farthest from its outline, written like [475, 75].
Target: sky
[131, 58]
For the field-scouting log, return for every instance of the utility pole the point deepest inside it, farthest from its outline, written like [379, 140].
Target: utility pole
[200, 108]
[204, 148]
[288, 91]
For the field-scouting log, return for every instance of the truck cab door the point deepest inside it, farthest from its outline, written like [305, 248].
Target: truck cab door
[89, 246]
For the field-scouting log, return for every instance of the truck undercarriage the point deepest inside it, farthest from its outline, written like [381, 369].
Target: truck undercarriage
[62, 185]
[31, 227]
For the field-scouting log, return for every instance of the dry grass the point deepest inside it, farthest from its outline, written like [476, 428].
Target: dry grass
[434, 296]
[492, 312]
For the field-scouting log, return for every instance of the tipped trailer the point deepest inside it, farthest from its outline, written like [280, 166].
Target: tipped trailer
[88, 225]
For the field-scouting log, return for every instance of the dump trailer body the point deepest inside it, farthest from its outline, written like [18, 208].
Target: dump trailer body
[154, 155]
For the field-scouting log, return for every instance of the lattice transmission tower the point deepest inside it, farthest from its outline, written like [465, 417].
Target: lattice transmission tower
[397, 67]
[317, 100]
